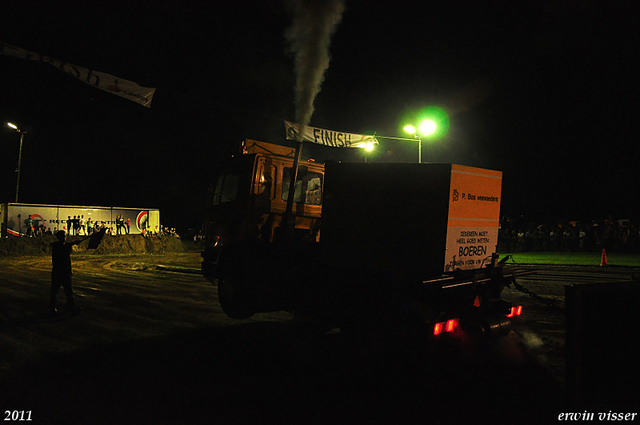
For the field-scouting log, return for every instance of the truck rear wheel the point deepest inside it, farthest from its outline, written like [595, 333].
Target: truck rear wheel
[233, 302]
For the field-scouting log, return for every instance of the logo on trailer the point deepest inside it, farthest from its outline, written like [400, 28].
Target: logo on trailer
[36, 218]
[142, 221]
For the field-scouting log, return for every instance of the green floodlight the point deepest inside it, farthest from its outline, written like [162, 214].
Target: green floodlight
[431, 122]
[427, 127]
[440, 121]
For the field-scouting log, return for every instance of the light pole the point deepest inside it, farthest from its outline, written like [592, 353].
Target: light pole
[22, 132]
[425, 128]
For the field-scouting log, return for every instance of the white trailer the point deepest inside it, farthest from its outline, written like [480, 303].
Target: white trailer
[14, 216]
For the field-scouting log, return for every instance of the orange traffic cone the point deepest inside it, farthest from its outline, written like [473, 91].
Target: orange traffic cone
[603, 260]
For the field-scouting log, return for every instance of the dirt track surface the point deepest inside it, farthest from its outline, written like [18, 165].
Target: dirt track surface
[153, 346]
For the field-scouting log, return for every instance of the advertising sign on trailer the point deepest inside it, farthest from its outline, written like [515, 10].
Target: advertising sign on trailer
[474, 215]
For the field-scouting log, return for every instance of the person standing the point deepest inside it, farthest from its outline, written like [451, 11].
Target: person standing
[81, 228]
[128, 225]
[29, 223]
[61, 272]
[76, 224]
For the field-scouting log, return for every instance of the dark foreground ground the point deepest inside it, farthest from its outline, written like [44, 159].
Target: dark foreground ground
[153, 346]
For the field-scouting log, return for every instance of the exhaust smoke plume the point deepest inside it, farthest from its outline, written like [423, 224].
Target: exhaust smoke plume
[314, 22]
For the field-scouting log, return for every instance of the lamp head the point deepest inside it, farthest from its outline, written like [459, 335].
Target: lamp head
[410, 129]
[427, 127]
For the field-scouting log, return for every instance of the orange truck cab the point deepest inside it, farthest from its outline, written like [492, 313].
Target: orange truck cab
[249, 196]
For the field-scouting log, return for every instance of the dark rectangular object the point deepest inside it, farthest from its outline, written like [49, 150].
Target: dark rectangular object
[375, 216]
[410, 220]
[602, 345]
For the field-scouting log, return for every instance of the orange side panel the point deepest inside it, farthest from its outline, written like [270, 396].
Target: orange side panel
[473, 219]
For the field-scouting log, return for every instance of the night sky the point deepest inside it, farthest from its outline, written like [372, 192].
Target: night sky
[545, 91]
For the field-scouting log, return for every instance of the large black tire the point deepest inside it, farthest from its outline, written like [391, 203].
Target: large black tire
[232, 300]
[232, 287]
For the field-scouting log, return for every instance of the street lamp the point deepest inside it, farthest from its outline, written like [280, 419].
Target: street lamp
[368, 148]
[431, 122]
[22, 132]
[425, 128]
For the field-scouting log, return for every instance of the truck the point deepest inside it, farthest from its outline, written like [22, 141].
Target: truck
[372, 243]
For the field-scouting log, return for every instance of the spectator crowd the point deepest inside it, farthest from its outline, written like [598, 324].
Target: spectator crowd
[573, 236]
[77, 226]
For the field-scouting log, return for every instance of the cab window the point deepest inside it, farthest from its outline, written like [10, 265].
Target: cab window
[308, 186]
[264, 181]
[226, 188]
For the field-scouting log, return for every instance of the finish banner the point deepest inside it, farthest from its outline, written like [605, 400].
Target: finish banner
[100, 80]
[321, 136]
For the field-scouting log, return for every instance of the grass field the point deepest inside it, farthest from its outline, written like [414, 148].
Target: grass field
[574, 258]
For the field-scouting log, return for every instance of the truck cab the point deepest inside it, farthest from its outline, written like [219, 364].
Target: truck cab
[248, 198]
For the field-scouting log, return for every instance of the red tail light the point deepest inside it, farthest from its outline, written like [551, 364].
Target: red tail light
[448, 326]
[515, 311]
[451, 325]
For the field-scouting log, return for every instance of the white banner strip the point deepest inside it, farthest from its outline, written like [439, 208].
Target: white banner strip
[100, 80]
[328, 137]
